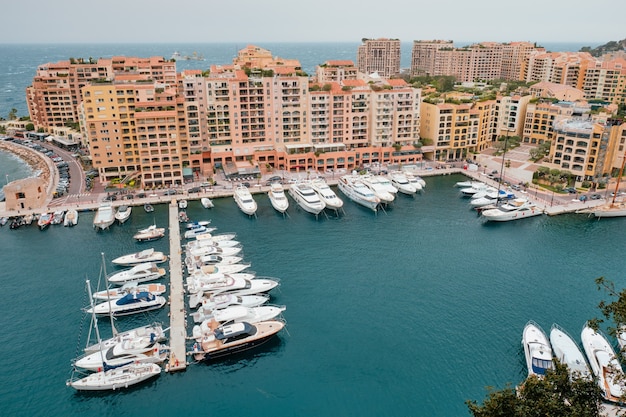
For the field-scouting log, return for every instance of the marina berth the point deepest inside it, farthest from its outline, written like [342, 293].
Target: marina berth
[198, 224]
[228, 285]
[355, 190]
[145, 271]
[277, 197]
[326, 194]
[536, 350]
[105, 216]
[208, 240]
[604, 364]
[208, 271]
[244, 200]
[306, 198]
[150, 332]
[233, 338]
[566, 350]
[57, 217]
[123, 213]
[209, 304]
[197, 251]
[197, 231]
[147, 255]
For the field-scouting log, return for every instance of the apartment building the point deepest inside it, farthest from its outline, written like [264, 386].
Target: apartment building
[336, 71]
[511, 114]
[481, 61]
[606, 81]
[380, 56]
[55, 94]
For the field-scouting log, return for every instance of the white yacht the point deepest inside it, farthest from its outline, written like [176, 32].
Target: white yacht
[358, 192]
[415, 181]
[155, 288]
[124, 353]
[518, 208]
[149, 234]
[123, 213]
[105, 216]
[278, 198]
[566, 350]
[401, 182]
[206, 202]
[142, 272]
[244, 200]
[306, 197]
[604, 364]
[379, 188]
[147, 255]
[133, 303]
[536, 349]
[235, 314]
[326, 194]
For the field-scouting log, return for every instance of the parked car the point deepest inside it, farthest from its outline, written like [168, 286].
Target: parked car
[169, 192]
[570, 190]
[595, 196]
[194, 190]
[275, 178]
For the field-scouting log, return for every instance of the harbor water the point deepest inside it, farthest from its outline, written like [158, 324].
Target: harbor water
[411, 311]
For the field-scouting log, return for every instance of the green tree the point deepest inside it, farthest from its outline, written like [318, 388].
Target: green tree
[13, 114]
[556, 395]
[30, 127]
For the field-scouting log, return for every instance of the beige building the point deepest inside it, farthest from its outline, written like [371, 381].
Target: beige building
[380, 56]
[25, 194]
[336, 71]
[561, 92]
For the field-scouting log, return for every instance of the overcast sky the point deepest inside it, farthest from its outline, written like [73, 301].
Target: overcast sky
[210, 21]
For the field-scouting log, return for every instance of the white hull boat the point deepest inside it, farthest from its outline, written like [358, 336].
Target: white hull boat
[244, 200]
[235, 314]
[229, 285]
[123, 214]
[142, 272]
[105, 216]
[358, 192]
[116, 378]
[213, 250]
[149, 234]
[147, 255]
[201, 223]
[57, 217]
[206, 202]
[516, 209]
[150, 332]
[124, 353]
[415, 181]
[566, 350]
[182, 204]
[226, 300]
[379, 188]
[326, 194]
[306, 198]
[208, 240]
[604, 364]
[71, 218]
[611, 210]
[536, 349]
[44, 220]
[155, 288]
[197, 231]
[401, 182]
[130, 304]
[208, 272]
[277, 197]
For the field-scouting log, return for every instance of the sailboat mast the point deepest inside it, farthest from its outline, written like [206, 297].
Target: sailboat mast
[104, 270]
[94, 319]
[619, 178]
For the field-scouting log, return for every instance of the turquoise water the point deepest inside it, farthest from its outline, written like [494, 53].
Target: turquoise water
[411, 312]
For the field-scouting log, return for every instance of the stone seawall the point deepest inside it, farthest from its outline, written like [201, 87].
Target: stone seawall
[41, 165]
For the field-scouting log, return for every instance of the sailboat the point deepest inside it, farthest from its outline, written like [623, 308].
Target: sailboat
[613, 209]
[105, 378]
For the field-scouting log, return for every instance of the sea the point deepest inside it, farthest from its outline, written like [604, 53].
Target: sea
[410, 311]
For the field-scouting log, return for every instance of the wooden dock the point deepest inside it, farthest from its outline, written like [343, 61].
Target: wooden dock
[178, 330]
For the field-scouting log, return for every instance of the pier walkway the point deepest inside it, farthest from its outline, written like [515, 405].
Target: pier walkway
[178, 330]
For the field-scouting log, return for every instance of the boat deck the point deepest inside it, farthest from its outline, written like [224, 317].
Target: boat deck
[177, 359]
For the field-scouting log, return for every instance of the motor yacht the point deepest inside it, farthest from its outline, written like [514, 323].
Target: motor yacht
[566, 350]
[123, 213]
[326, 194]
[244, 200]
[358, 192]
[44, 220]
[105, 216]
[71, 218]
[277, 197]
[604, 364]
[536, 349]
[133, 303]
[142, 272]
[379, 187]
[306, 198]
[206, 202]
[146, 255]
[515, 209]
[401, 182]
[155, 288]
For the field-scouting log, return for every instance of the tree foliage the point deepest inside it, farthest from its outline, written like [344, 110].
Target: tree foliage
[555, 395]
